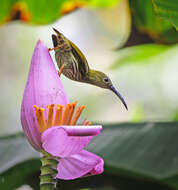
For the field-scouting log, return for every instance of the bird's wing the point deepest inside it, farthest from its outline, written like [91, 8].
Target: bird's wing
[81, 60]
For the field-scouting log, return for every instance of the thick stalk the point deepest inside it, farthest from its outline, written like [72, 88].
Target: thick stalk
[48, 172]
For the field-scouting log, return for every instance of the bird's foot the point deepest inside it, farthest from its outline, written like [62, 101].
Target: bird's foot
[61, 70]
[50, 49]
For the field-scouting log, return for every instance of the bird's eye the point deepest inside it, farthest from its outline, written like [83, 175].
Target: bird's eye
[106, 80]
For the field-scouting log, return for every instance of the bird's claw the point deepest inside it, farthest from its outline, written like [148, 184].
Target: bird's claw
[50, 49]
[61, 70]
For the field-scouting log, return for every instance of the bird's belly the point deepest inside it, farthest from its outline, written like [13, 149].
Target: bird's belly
[70, 67]
[69, 73]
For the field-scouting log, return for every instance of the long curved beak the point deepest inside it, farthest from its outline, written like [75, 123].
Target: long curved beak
[119, 95]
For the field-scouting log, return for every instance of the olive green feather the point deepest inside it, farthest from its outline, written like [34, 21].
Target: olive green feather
[76, 66]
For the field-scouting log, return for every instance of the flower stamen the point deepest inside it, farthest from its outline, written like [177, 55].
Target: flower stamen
[65, 116]
[73, 105]
[39, 112]
[58, 116]
[86, 122]
[50, 115]
[77, 115]
[61, 117]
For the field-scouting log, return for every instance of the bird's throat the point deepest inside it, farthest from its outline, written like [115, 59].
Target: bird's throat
[93, 77]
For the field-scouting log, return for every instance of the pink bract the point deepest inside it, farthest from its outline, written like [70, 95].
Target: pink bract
[74, 161]
[44, 87]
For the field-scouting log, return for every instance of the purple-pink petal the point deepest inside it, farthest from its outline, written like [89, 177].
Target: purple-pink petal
[57, 142]
[82, 130]
[78, 165]
[43, 87]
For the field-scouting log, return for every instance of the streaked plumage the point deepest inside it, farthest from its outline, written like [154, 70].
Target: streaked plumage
[76, 66]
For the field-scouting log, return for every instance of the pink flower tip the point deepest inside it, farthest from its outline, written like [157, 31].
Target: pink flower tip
[43, 87]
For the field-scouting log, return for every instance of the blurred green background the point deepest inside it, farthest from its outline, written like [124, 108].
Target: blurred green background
[132, 41]
[146, 75]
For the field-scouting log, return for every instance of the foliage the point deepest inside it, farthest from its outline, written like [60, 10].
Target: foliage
[148, 22]
[140, 54]
[133, 152]
[167, 10]
[43, 11]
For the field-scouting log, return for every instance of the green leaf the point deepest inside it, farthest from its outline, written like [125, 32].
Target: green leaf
[140, 150]
[148, 22]
[43, 11]
[137, 156]
[18, 161]
[140, 54]
[167, 10]
[103, 3]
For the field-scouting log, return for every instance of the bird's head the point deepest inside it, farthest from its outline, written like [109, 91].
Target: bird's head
[100, 79]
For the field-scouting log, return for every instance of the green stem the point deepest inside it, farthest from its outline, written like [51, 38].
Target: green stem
[48, 172]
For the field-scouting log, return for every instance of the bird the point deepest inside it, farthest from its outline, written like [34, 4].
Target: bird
[73, 64]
